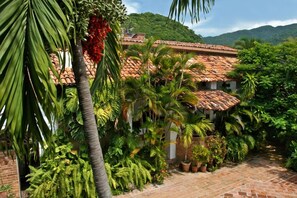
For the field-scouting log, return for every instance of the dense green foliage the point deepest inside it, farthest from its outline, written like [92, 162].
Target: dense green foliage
[274, 70]
[27, 93]
[128, 174]
[125, 170]
[7, 189]
[106, 109]
[246, 43]
[217, 146]
[160, 27]
[292, 161]
[273, 35]
[200, 154]
[62, 173]
[238, 147]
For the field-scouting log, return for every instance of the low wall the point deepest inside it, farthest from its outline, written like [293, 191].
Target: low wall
[9, 172]
[180, 150]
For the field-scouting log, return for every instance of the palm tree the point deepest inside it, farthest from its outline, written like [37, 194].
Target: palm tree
[235, 120]
[140, 98]
[29, 31]
[111, 69]
[184, 65]
[148, 54]
[194, 124]
[248, 86]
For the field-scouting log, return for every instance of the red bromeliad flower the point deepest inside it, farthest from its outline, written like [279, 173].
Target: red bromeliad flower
[98, 30]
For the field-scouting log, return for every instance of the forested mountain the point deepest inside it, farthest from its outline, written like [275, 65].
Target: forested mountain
[160, 27]
[269, 34]
[166, 29]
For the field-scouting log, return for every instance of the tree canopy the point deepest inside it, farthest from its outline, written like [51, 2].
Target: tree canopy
[274, 71]
[160, 27]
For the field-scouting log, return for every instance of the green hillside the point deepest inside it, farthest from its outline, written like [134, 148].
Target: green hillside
[269, 34]
[160, 27]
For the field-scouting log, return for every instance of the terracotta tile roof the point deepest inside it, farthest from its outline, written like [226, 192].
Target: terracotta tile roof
[131, 68]
[67, 75]
[215, 100]
[209, 100]
[185, 46]
[216, 67]
[196, 45]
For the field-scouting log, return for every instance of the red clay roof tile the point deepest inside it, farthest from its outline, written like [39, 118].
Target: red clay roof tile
[185, 46]
[215, 100]
[131, 68]
[216, 67]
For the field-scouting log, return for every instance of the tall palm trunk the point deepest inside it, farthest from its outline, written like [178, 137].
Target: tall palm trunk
[90, 127]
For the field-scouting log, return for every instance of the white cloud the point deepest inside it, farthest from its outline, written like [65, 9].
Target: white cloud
[208, 31]
[204, 30]
[202, 22]
[251, 25]
[202, 27]
[132, 7]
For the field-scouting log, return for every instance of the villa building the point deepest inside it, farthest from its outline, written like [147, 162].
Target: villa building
[217, 60]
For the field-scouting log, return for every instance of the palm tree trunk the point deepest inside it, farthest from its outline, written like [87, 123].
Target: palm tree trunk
[90, 127]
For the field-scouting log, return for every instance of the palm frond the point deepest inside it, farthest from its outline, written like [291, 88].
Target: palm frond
[108, 69]
[180, 8]
[29, 30]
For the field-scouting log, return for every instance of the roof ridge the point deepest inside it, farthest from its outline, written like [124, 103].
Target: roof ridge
[183, 45]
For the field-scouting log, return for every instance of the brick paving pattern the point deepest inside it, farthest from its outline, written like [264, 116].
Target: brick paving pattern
[260, 176]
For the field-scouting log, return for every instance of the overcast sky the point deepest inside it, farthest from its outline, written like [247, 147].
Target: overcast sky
[228, 15]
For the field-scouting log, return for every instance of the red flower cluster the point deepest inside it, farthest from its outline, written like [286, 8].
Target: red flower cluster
[98, 30]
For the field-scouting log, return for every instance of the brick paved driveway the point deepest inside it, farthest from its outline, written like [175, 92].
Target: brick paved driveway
[262, 175]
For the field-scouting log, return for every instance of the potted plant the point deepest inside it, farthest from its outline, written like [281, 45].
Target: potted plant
[217, 147]
[186, 140]
[197, 124]
[200, 154]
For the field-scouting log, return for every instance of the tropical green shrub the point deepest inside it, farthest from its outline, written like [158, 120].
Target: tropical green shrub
[106, 108]
[194, 124]
[292, 160]
[126, 169]
[155, 154]
[7, 189]
[250, 141]
[62, 173]
[217, 146]
[274, 69]
[128, 174]
[200, 154]
[154, 150]
[238, 147]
